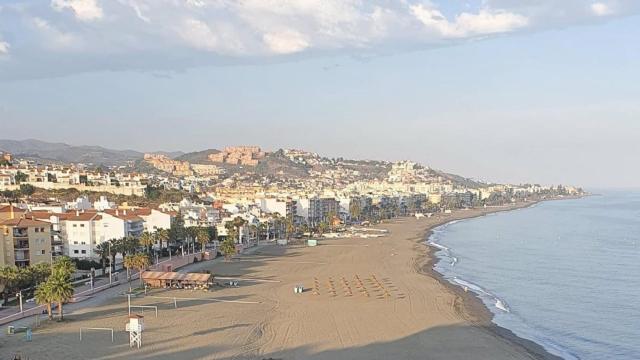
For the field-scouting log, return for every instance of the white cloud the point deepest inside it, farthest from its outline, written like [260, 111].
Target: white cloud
[84, 10]
[163, 34]
[601, 9]
[55, 39]
[286, 42]
[4, 48]
[218, 37]
[467, 24]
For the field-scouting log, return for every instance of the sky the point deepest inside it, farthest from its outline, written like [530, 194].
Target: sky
[540, 91]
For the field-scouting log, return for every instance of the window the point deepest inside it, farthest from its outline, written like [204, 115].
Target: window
[84, 251]
[84, 243]
[37, 230]
[81, 225]
[41, 229]
[75, 243]
[75, 251]
[75, 225]
[42, 252]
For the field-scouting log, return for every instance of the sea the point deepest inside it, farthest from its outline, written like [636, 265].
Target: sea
[565, 273]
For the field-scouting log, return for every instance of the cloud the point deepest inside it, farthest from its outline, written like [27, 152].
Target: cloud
[601, 9]
[166, 35]
[466, 24]
[4, 48]
[286, 42]
[84, 10]
[54, 38]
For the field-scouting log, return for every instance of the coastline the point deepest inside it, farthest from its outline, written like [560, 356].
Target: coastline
[468, 304]
[421, 314]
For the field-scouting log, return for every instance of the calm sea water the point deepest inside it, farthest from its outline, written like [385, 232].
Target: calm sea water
[565, 274]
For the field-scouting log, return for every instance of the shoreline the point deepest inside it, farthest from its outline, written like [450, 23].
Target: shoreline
[469, 305]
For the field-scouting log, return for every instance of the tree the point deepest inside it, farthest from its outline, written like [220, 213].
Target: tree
[9, 277]
[147, 240]
[60, 282]
[323, 227]
[238, 222]
[289, 227]
[139, 262]
[44, 296]
[355, 210]
[21, 177]
[263, 230]
[228, 248]
[203, 236]
[130, 245]
[163, 237]
[191, 233]
[114, 249]
[103, 250]
[27, 190]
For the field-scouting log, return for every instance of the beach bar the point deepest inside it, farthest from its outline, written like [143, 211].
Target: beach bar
[160, 279]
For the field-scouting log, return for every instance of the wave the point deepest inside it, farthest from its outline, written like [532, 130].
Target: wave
[498, 303]
[437, 246]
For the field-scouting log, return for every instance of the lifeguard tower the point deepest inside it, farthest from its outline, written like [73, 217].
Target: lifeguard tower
[135, 327]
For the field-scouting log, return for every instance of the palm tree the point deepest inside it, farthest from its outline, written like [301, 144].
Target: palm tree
[163, 237]
[103, 250]
[131, 244]
[238, 222]
[60, 282]
[139, 262]
[113, 250]
[262, 229]
[289, 227]
[203, 237]
[192, 233]
[44, 296]
[147, 240]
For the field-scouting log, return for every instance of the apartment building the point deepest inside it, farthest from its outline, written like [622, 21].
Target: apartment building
[24, 242]
[321, 208]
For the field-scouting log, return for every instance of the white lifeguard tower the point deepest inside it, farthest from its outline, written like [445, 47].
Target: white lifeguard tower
[135, 327]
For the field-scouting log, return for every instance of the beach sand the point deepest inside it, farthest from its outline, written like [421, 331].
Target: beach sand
[404, 312]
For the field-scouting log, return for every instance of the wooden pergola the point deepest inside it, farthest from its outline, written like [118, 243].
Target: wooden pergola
[161, 279]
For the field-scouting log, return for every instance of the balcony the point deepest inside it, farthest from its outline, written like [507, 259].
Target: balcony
[21, 255]
[21, 244]
[20, 232]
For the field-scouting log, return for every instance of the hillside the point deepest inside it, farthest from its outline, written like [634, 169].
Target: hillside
[197, 157]
[43, 151]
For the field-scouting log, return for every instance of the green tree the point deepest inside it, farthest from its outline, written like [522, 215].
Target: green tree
[289, 227]
[60, 283]
[323, 227]
[228, 247]
[103, 250]
[146, 240]
[27, 190]
[203, 236]
[163, 237]
[44, 296]
[9, 277]
[21, 177]
[139, 262]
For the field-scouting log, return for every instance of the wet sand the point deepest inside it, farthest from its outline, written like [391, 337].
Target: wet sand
[375, 298]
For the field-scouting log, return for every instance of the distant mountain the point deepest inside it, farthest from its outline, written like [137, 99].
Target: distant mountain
[197, 157]
[59, 152]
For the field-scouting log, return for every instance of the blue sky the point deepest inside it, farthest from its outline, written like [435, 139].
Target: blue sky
[501, 90]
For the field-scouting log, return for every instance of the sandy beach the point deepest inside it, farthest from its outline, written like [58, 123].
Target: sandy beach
[375, 298]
